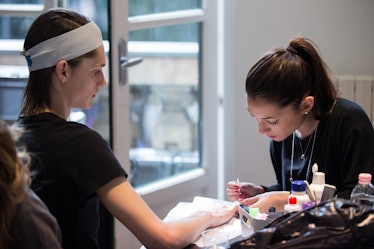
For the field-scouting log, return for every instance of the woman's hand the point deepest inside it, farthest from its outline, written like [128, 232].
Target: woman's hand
[244, 190]
[276, 199]
[222, 214]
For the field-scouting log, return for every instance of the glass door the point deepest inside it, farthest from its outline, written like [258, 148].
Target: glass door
[163, 132]
[165, 90]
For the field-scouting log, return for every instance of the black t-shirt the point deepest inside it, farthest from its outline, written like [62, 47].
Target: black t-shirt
[33, 226]
[71, 162]
[344, 147]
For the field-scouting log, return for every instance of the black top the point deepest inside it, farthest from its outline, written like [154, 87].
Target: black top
[344, 147]
[72, 162]
[33, 227]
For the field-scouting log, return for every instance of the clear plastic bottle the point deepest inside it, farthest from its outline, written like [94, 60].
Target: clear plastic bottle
[299, 191]
[363, 192]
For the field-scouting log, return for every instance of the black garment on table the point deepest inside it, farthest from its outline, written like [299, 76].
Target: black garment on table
[333, 224]
[344, 147]
[72, 162]
[33, 226]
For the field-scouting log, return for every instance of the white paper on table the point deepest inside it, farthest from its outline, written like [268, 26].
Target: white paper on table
[184, 209]
[233, 227]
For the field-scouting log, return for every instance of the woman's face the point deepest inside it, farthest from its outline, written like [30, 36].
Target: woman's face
[275, 121]
[86, 80]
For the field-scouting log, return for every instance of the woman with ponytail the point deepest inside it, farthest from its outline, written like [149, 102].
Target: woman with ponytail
[291, 94]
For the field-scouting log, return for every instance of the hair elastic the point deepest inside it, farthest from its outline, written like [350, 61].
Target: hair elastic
[67, 46]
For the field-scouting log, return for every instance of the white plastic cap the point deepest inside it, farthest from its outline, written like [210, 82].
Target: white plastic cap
[315, 168]
[318, 178]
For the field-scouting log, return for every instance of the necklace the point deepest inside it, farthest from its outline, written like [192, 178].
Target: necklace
[302, 157]
[311, 153]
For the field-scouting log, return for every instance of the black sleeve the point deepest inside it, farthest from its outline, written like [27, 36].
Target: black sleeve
[95, 162]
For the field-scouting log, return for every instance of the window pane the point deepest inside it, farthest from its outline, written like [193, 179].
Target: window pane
[97, 10]
[165, 102]
[180, 33]
[13, 69]
[144, 7]
[14, 27]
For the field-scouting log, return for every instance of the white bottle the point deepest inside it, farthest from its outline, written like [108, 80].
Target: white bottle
[299, 191]
[292, 205]
[318, 184]
[363, 192]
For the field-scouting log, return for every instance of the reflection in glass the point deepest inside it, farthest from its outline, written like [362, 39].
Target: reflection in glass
[96, 10]
[165, 103]
[14, 27]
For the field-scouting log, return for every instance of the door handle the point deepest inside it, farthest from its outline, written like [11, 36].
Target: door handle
[125, 62]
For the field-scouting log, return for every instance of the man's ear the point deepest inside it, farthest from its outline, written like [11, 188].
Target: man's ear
[61, 70]
[307, 104]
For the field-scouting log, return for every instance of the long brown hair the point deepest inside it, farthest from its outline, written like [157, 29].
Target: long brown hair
[14, 177]
[55, 22]
[285, 76]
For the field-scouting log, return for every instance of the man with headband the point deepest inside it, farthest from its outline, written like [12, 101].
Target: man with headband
[75, 166]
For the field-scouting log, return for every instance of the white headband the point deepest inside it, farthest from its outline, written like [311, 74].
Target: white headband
[67, 46]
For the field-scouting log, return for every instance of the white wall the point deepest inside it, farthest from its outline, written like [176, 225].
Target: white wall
[343, 31]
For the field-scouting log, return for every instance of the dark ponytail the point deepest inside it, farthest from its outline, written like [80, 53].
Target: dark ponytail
[286, 76]
[322, 87]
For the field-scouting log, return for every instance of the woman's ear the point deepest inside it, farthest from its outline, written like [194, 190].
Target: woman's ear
[307, 104]
[61, 70]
